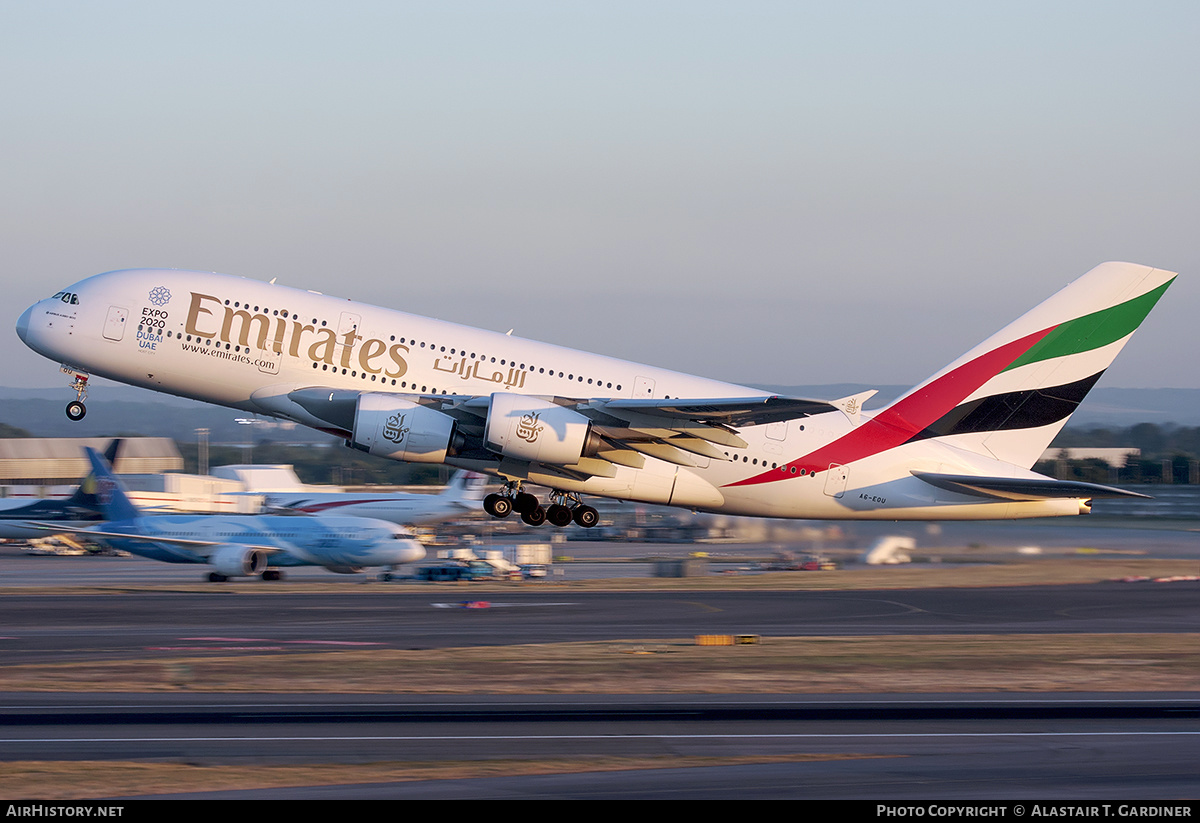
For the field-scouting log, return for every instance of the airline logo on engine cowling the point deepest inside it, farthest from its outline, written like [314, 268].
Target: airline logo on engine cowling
[394, 429]
[210, 317]
[528, 428]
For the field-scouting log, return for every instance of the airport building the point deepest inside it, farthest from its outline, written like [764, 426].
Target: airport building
[61, 461]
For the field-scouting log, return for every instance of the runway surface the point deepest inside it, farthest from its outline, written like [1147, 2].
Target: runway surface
[74, 627]
[918, 747]
[904, 747]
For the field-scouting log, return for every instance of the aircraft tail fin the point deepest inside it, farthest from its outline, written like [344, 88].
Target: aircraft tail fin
[111, 496]
[1010, 395]
[84, 496]
[466, 487]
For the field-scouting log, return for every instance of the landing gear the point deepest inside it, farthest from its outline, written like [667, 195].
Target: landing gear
[273, 575]
[565, 507]
[568, 507]
[558, 515]
[585, 516]
[497, 505]
[216, 577]
[536, 517]
[524, 503]
[75, 409]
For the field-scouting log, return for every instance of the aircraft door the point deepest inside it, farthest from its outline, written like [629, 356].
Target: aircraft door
[115, 322]
[836, 479]
[268, 359]
[643, 387]
[348, 324]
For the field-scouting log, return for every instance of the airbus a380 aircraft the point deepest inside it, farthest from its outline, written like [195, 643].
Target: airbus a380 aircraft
[957, 447]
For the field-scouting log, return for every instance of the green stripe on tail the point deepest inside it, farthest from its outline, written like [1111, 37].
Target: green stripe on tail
[1094, 330]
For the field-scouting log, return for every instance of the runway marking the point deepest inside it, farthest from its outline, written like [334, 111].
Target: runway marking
[417, 738]
[292, 642]
[214, 648]
[458, 604]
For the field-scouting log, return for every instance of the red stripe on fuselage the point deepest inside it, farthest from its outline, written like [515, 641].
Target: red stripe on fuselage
[316, 508]
[906, 418]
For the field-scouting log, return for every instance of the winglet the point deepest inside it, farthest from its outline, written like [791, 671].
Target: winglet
[851, 406]
[465, 487]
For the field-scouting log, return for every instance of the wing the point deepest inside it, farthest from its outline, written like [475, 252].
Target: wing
[573, 437]
[201, 548]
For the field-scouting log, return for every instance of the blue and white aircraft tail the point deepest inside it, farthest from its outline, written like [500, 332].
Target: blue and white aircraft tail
[245, 546]
[23, 520]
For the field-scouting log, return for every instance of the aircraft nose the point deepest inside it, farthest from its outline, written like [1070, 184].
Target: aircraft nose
[23, 325]
[413, 552]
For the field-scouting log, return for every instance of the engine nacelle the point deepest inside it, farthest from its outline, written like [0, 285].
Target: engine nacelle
[533, 429]
[238, 561]
[399, 429]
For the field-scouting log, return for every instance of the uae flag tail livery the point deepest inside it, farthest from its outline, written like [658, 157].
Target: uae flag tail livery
[1005, 400]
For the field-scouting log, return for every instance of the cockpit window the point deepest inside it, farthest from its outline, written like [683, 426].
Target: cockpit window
[67, 297]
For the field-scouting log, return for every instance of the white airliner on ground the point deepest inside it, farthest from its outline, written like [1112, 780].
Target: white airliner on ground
[247, 545]
[958, 446]
[460, 497]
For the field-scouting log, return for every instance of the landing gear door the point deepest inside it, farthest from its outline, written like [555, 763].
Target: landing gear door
[836, 479]
[115, 322]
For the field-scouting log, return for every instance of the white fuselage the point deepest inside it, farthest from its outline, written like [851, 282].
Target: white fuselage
[246, 344]
[406, 509]
[338, 543]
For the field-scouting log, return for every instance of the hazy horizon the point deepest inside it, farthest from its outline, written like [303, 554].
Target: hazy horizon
[762, 193]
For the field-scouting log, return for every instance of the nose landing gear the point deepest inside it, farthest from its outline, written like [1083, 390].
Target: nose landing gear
[75, 409]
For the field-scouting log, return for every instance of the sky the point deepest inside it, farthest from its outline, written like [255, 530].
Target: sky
[765, 193]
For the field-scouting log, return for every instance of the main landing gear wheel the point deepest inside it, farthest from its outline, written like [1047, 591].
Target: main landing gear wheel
[525, 503]
[216, 577]
[534, 518]
[272, 574]
[585, 516]
[558, 515]
[497, 505]
[76, 410]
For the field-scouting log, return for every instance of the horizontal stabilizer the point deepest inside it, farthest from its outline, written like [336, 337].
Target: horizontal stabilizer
[1022, 488]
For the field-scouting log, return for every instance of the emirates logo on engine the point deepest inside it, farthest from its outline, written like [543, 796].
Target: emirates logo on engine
[394, 429]
[529, 428]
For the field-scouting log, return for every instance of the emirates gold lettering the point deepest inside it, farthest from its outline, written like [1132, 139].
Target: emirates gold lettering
[209, 318]
[370, 350]
[347, 346]
[401, 364]
[260, 320]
